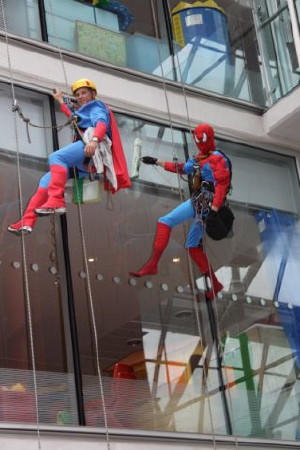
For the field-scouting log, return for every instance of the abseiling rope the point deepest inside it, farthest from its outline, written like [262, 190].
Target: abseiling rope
[190, 266]
[219, 348]
[24, 256]
[175, 157]
[15, 108]
[88, 283]
[188, 119]
[190, 131]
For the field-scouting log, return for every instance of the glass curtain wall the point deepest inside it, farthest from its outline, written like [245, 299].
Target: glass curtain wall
[215, 48]
[257, 313]
[169, 359]
[121, 33]
[243, 50]
[276, 44]
[35, 356]
[208, 46]
[21, 18]
[141, 334]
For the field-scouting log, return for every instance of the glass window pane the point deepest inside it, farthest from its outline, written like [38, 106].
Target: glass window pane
[263, 178]
[214, 46]
[150, 348]
[151, 343]
[257, 310]
[169, 360]
[121, 34]
[264, 393]
[259, 177]
[277, 48]
[21, 18]
[31, 279]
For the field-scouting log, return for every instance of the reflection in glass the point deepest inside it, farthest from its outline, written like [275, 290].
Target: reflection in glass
[169, 360]
[120, 33]
[214, 48]
[277, 48]
[21, 18]
[243, 50]
[37, 348]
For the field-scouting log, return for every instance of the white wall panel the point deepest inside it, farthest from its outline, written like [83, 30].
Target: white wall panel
[93, 440]
[39, 67]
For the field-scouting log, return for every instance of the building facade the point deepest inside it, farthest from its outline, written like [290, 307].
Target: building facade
[90, 355]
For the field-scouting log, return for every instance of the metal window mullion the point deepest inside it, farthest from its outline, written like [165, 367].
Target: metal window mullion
[282, 58]
[43, 21]
[295, 27]
[266, 71]
[71, 310]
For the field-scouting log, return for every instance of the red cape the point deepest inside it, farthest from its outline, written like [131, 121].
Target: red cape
[119, 161]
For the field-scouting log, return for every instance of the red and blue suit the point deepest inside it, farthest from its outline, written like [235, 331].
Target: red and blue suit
[72, 155]
[50, 192]
[93, 114]
[213, 171]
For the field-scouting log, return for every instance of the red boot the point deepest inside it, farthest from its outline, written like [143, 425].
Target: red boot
[26, 224]
[56, 202]
[201, 260]
[160, 242]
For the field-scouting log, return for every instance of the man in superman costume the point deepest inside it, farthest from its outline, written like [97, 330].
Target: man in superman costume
[211, 170]
[90, 112]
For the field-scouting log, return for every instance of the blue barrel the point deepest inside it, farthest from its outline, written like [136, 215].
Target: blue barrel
[199, 20]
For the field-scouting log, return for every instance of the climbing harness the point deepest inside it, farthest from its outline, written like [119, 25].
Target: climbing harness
[201, 201]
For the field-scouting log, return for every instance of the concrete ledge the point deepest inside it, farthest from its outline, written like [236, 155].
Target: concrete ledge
[28, 437]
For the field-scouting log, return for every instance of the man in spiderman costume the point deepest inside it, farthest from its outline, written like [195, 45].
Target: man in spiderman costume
[211, 171]
[90, 113]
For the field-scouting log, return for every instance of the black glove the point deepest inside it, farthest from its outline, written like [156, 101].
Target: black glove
[149, 160]
[215, 227]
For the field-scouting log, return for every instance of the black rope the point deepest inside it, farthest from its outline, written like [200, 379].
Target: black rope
[17, 108]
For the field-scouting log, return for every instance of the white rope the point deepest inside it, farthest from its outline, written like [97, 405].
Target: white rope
[190, 130]
[88, 280]
[175, 158]
[25, 272]
[215, 309]
[24, 256]
[64, 71]
[91, 303]
[190, 267]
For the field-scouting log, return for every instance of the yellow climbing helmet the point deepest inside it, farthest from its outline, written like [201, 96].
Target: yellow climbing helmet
[83, 82]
